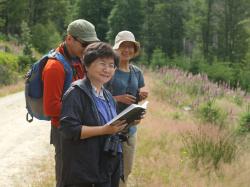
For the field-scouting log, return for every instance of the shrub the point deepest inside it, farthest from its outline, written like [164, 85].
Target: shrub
[180, 62]
[194, 67]
[210, 113]
[8, 68]
[7, 76]
[209, 148]
[159, 59]
[238, 100]
[9, 60]
[218, 72]
[143, 58]
[7, 49]
[245, 80]
[176, 115]
[24, 62]
[244, 122]
[3, 37]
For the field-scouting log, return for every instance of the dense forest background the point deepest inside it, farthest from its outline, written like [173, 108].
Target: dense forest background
[199, 36]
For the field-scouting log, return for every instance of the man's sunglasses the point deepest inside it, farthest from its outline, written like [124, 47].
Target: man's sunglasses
[84, 44]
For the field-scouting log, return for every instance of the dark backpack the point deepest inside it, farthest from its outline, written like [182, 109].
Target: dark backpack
[34, 85]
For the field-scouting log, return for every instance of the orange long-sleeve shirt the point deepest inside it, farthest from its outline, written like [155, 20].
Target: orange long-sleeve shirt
[53, 77]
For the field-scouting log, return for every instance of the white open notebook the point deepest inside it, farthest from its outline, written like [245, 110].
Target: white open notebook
[131, 113]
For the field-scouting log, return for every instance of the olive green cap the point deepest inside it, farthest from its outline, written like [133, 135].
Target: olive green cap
[83, 30]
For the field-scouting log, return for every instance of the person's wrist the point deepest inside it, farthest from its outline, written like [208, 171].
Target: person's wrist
[103, 130]
[116, 98]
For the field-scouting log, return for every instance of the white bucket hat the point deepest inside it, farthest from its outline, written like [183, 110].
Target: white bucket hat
[126, 36]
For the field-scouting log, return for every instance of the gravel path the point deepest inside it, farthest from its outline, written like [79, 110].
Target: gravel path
[20, 142]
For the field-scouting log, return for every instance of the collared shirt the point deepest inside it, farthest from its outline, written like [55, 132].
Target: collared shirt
[100, 94]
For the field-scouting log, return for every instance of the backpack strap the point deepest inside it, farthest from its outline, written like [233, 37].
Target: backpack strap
[67, 69]
[132, 68]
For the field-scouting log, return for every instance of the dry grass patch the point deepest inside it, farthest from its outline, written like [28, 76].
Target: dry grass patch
[6, 90]
[39, 173]
[160, 159]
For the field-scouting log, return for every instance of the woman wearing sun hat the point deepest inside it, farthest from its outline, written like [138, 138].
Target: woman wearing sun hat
[126, 87]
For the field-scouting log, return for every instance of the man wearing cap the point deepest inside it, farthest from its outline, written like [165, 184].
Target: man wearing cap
[80, 33]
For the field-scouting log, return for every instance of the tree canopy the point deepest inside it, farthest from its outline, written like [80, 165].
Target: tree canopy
[217, 30]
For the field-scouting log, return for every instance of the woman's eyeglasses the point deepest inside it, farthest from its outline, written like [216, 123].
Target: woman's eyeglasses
[106, 65]
[84, 44]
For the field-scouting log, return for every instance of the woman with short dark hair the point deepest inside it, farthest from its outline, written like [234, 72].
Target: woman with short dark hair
[89, 157]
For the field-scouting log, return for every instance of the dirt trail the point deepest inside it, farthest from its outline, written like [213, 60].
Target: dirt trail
[20, 142]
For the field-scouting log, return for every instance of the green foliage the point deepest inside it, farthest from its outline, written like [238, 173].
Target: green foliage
[218, 72]
[244, 122]
[8, 68]
[164, 26]
[66, 10]
[3, 37]
[244, 79]
[238, 100]
[7, 49]
[176, 115]
[2, 23]
[194, 67]
[208, 148]
[159, 59]
[7, 76]
[210, 113]
[97, 12]
[45, 37]
[125, 15]
[9, 60]
[234, 75]
[24, 62]
[15, 12]
[26, 39]
[143, 58]
[217, 30]
[232, 36]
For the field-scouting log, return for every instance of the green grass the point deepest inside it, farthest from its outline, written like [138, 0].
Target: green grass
[209, 148]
